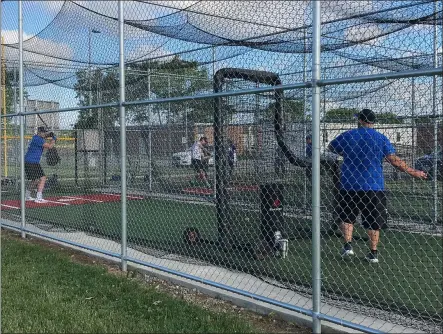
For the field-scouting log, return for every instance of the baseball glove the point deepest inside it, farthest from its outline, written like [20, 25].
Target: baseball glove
[52, 157]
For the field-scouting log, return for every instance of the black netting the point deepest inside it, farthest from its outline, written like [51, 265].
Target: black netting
[83, 34]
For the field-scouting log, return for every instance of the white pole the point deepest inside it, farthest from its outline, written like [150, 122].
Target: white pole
[22, 119]
[122, 137]
[89, 66]
[149, 133]
[3, 122]
[436, 121]
[214, 187]
[316, 262]
[149, 97]
[150, 161]
[305, 120]
[17, 163]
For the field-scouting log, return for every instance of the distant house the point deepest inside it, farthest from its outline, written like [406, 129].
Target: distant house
[426, 137]
[398, 134]
[259, 138]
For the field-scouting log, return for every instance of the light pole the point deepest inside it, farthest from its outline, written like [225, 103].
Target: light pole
[85, 153]
[90, 32]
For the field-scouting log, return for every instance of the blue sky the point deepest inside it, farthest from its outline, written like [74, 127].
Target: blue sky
[32, 24]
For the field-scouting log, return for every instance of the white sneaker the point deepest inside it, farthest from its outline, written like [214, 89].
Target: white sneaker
[373, 258]
[347, 252]
[40, 200]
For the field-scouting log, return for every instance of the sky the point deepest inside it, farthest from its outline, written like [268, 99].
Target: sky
[38, 14]
[33, 24]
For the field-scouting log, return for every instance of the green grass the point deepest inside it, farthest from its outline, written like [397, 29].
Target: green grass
[44, 291]
[407, 280]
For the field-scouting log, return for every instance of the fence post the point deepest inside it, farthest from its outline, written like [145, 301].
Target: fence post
[305, 122]
[435, 170]
[2, 122]
[150, 158]
[22, 119]
[434, 112]
[122, 136]
[316, 274]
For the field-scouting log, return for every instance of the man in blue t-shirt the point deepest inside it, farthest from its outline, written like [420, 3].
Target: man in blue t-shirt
[309, 146]
[33, 169]
[362, 182]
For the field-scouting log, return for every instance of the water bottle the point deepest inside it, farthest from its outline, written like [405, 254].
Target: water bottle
[277, 238]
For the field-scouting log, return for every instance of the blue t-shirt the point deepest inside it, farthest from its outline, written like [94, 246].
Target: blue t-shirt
[35, 150]
[363, 151]
[309, 150]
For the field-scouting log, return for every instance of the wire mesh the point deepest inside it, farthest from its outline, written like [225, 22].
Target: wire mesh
[235, 207]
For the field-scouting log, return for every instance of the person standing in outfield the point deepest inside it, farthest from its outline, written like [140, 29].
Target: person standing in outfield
[33, 169]
[309, 146]
[205, 157]
[197, 159]
[362, 182]
[232, 156]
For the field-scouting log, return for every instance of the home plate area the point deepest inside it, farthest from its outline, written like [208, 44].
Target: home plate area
[68, 200]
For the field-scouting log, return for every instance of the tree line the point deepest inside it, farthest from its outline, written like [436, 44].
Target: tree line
[153, 79]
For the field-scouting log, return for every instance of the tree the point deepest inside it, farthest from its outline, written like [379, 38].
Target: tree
[388, 118]
[340, 115]
[97, 87]
[426, 119]
[8, 81]
[180, 78]
[165, 79]
[293, 110]
[9, 92]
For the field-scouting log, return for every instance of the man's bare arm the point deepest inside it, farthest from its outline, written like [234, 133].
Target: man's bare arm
[400, 164]
[50, 144]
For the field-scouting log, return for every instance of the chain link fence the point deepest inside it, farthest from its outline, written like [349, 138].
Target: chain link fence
[224, 145]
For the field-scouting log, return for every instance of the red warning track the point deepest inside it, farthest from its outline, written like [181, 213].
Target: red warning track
[67, 200]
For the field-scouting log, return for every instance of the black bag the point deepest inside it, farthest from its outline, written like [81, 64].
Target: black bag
[52, 157]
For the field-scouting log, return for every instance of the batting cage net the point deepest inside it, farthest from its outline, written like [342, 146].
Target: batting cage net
[221, 103]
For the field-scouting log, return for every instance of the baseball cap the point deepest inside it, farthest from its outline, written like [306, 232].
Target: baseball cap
[309, 137]
[41, 129]
[367, 115]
